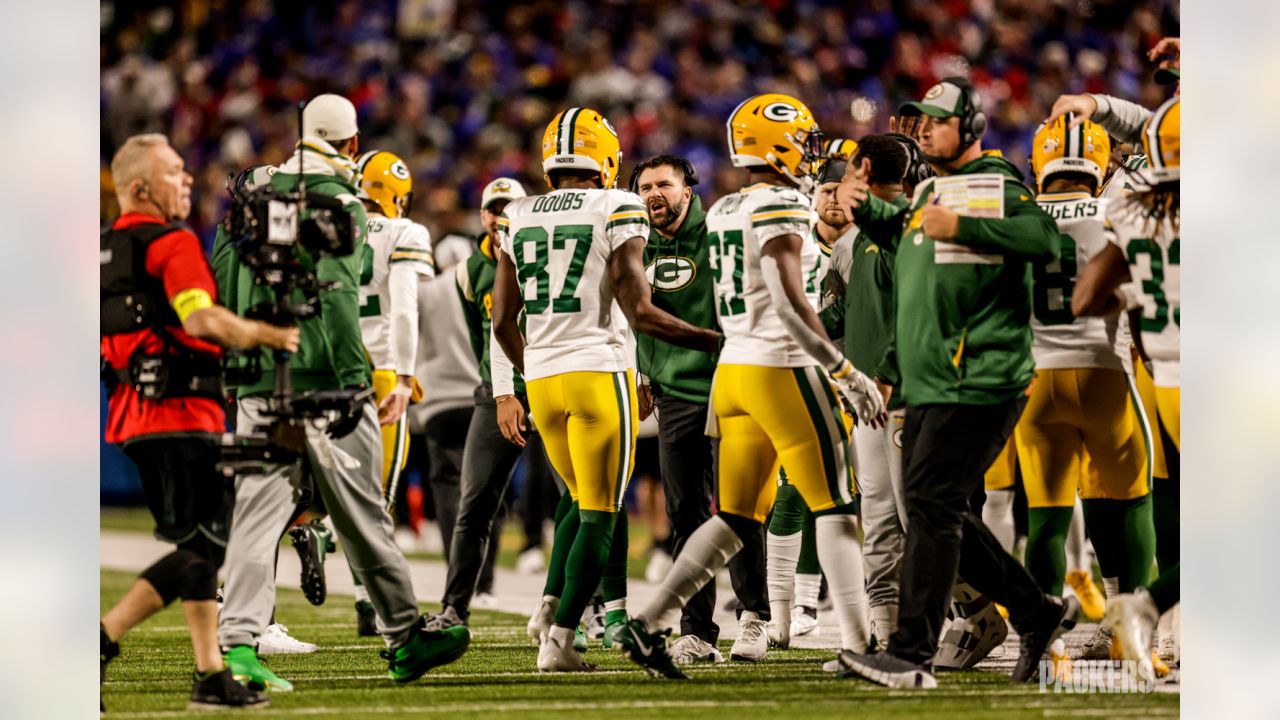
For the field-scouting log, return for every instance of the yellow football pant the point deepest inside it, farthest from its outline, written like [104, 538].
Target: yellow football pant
[1169, 404]
[1082, 431]
[769, 416]
[395, 438]
[1147, 392]
[1001, 474]
[588, 422]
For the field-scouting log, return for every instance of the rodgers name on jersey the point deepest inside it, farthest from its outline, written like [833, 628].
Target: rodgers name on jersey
[392, 243]
[738, 227]
[1154, 255]
[1060, 339]
[560, 244]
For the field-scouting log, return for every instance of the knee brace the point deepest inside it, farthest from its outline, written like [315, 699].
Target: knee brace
[182, 574]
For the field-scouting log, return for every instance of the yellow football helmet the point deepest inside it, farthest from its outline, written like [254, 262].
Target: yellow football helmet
[582, 139]
[1057, 147]
[779, 132]
[386, 180]
[1162, 143]
[842, 148]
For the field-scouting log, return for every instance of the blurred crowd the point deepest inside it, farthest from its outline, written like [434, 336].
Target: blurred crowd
[462, 91]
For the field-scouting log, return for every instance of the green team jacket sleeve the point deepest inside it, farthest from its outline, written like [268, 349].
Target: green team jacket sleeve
[1025, 232]
[470, 312]
[881, 221]
[340, 307]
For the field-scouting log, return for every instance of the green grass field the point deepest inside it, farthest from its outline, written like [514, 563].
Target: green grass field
[497, 679]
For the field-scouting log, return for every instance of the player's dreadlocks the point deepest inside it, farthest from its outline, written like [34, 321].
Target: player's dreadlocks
[1152, 205]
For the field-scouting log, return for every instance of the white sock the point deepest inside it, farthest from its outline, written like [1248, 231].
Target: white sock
[612, 605]
[884, 622]
[1111, 586]
[1077, 546]
[781, 555]
[706, 551]
[841, 560]
[563, 636]
[362, 595]
[808, 587]
[997, 514]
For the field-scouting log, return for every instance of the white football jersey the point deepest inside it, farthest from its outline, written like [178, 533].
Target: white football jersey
[391, 243]
[1154, 255]
[738, 226]
[561, 243]
[1060, 339]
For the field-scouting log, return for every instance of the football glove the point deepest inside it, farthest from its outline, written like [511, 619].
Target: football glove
[860, 391]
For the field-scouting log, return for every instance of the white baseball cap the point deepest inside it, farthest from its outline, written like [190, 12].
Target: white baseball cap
[501, 189]
[330, 117]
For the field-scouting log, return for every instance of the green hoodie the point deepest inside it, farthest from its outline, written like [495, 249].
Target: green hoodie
[963, 329]
[475, 278]
[331, 352]
[680, 273]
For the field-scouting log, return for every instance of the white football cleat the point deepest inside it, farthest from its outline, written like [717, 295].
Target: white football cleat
[485, 601]
[753, 638]
[690, 649]
[659, 565]
[554, 657]
[1132, 617]
[275, 640]
[542, 619]
[804, 620]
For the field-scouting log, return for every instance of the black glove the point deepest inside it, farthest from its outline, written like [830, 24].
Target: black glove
[349, 419]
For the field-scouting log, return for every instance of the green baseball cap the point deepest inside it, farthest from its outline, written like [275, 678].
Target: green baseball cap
[1168, 76]
[944, 100]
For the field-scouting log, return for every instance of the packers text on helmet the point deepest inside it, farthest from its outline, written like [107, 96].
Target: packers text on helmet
[1059, 148]
[582, 139]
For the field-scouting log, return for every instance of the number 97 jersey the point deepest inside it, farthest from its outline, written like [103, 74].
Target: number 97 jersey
[561, 243]
[1154, 254]
[738, 227]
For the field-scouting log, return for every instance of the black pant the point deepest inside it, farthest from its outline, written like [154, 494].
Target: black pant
[446, 437]
[687, 458]
[189, 499]
[946, 450]
[486, 473]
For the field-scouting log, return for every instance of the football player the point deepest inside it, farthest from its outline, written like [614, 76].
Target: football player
[573, 260]
[1084, 427]
[772, 399]
[1143, 246]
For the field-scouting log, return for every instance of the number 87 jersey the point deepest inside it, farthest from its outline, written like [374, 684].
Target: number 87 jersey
[560, 244]
[738, 227]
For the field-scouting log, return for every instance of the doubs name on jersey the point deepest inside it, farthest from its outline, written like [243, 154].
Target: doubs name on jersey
[558, 203]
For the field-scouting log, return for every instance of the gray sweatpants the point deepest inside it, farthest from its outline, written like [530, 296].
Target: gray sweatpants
[884, 514]
[353, 497]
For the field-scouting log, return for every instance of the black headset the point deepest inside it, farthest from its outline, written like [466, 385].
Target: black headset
[917, 169]
[973, 121]
[681, 164]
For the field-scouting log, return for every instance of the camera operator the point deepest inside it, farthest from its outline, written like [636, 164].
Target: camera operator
[161, 329]
[347, 468]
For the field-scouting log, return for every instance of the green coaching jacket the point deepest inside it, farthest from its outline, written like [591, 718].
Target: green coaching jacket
[331, 352]
[679, 271]
[963, 328]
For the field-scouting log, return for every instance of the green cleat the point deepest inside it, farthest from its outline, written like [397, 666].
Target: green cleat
[426, 649]
[312, 541]
[579, 640]
[249, 671]
[648, 649]
[614, 621]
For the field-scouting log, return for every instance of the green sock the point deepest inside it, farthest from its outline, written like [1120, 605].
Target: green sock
[1124, 539]
[1046, 546]
[566, 530]
[613, 583]
[615, 616]
[789, 512]
[585, 563]
[1164, 494]
[808, 564]
[1165, 590]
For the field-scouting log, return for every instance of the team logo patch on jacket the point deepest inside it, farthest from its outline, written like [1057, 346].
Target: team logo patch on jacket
[668, 273]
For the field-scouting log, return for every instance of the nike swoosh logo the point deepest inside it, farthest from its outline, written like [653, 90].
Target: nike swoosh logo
[644, 649]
